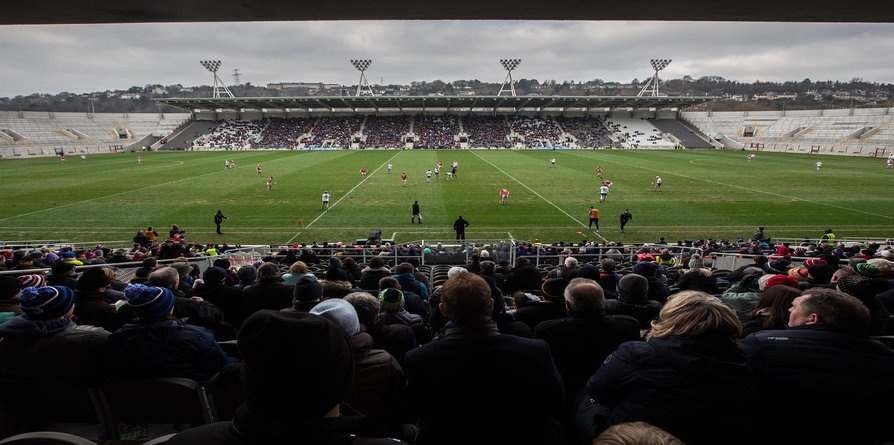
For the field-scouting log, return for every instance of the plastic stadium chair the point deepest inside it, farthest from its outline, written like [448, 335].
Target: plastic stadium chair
[37, 405]
[46, 438]
[159, 401]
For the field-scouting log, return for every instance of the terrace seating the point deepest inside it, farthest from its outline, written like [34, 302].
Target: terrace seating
[38, 405]
[168, 400]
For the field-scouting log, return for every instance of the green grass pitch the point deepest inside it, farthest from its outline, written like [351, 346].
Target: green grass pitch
[706, 194]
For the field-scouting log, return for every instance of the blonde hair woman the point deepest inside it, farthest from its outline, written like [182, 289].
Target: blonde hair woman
[688, 377]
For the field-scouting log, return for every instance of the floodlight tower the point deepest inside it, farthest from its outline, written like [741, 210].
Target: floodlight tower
[213, 66]
[508, 65]
[657, 65]
[362, 65]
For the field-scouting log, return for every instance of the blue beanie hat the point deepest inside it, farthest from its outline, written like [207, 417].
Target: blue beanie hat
[149, 302]
[46, 303]
[341, 312]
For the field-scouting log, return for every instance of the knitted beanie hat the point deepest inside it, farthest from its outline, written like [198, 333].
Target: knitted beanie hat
[777, 266]
[867, 270]
[392, 299]
[821, 273]
[46, 303]
[61, 268]
[307, 288]
[799, 273]
[633, 288]
[780, 279]
[341, 312]
[885, 267]
[34, 280]
[149, 302]
[696, 262]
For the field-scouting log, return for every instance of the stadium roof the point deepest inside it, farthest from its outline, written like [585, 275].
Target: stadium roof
[162, 11]
[400, 103]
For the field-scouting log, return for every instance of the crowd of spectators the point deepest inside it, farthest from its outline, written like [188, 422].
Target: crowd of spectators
[335, 131]
[680, 335]
[589, 132]
[431, 131]
[435, 131]
[536, 131]
[285, 133]
[233, 135]
[385, 131]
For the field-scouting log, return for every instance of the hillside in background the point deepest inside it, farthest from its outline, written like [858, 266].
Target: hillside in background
[737, 96]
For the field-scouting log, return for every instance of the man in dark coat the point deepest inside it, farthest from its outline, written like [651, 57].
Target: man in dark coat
[477, 383]
[460, 227]
[297, 368]
[524, 276]
[580, 342]
[218, 220]
[550, 308]
[825, 346]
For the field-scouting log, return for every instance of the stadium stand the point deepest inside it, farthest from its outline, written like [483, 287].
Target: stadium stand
[857, 132]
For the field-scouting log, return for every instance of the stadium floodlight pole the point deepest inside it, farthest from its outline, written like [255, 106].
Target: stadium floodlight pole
[213, 66]
[508, 65]
[657, 65]
[362, 65]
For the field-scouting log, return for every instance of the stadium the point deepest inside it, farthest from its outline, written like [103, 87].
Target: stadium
[239, 212]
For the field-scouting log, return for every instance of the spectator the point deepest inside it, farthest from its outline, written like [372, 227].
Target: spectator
[608, 278]
[353, 269]
[658, 290]
[63, 273]
[636, 433]
[9, 297]
[93, 307]
[396, 338]
[497, 388]
[552, 306]
[247, 275]
[523, 276]
[379, 389]
[297, 369]
[372, 273]
[633, 300]
[409, 281]
[692, 359]
[745, 291]
[393, 312]
[770, 311]
[269, 291]
[307, 293]
[825, 346]
[155, 344]
[44, 342]
[412, 301]
[580, 342]
[196, 310]
[866, 290]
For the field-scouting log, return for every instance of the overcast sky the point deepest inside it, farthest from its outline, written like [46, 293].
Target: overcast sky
[88, 58]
